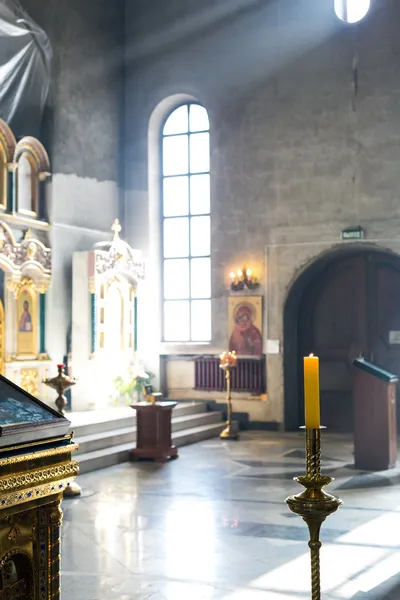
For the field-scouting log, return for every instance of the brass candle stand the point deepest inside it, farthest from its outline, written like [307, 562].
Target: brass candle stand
[228, 360]
[61, 383]
[313, 505]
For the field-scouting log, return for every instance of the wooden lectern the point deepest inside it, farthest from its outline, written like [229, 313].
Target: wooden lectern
[375, 430]
[153, 431]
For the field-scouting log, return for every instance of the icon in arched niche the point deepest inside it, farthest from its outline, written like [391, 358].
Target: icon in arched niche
[26, 320]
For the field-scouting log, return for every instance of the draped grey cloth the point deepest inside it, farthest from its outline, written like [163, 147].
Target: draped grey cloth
[25, 60]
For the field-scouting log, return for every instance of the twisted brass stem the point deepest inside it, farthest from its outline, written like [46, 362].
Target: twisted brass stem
[313, 453]
[315, 569]
[313, 504]
[228, 397]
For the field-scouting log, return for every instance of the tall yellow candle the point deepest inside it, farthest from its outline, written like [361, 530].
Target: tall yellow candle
[311, 392]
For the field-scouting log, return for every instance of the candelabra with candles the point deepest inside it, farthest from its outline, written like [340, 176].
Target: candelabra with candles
[313, 505]
[243, 278]
[228, 360]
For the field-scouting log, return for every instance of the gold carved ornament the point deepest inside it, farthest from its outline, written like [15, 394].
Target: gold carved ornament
[50, 453]
[68, 472]
[29, 381]
[16, 286]
[38, 475]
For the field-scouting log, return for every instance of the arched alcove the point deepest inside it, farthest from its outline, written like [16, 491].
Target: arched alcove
[32, 168]
[341, 305]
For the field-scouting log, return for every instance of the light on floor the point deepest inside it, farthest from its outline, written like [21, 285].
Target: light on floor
[352, 11]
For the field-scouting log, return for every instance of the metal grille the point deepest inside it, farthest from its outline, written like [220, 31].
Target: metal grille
[248, 376]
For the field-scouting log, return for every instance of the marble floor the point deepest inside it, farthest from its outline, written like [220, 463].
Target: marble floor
[214, 525]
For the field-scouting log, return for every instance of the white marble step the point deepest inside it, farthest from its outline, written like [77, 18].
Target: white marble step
[92, 422]
[106, 457]
[116, 437]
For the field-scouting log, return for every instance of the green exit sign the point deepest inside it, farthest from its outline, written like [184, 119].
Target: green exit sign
[354, 233]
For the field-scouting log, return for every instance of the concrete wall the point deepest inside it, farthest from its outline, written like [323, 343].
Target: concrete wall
[82, 134]
[305, 125]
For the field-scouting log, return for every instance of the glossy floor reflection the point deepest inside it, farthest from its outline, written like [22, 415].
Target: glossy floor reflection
[214, 525]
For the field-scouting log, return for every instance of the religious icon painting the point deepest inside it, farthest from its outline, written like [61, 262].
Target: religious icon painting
[245, 325]
[26, 321]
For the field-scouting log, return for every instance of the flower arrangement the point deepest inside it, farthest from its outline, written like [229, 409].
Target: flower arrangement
[134, 381]
[227, 360]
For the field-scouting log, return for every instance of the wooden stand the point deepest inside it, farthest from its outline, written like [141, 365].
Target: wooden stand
[375, 435]
[153, 426]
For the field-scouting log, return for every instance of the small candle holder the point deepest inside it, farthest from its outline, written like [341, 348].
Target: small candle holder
[314, 505]
[61, 383]
[228, 360]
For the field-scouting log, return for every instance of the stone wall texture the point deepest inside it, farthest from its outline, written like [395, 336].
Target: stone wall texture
[305, 125]
[82, 132]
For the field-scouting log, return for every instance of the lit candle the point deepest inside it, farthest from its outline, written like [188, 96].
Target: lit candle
[232, 275]
[311, 392]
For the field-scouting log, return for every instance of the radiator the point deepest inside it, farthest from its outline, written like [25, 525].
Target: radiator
[249, 375]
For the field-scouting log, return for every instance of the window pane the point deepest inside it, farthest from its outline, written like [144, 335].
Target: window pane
[177, 122]
[175, 155]
[199, 194]
[200, 278]
[176, 237]
[198, 118]
[176, 196]
[199, 236]
[201, 320]
[176, 279]
[352, 11]
[199, 152]
[357, 9]
[24, 185]
[176, 321]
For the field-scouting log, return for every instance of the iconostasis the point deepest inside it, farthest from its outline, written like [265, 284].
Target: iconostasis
[25, 261]
[106, 282]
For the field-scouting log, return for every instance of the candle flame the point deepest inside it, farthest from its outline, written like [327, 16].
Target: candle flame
[311, 355]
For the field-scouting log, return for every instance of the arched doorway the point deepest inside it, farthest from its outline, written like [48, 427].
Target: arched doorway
[345, 304]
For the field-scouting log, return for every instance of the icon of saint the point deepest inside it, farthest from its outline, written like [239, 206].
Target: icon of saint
[25, 322]
[246, 338]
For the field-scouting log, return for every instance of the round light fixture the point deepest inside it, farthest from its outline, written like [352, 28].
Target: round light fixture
[352, 11]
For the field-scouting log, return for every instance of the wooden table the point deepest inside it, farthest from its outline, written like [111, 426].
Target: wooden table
[153, 431]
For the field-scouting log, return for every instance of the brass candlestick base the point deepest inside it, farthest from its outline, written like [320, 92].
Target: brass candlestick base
[227, 361]
[73, 489]
[313, 505]
[61, 383]
[228, 433]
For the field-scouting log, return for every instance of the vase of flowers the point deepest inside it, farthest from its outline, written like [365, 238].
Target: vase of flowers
[132, 384]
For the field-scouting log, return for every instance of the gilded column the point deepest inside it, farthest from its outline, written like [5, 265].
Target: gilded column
[55, 520]
[42, 553]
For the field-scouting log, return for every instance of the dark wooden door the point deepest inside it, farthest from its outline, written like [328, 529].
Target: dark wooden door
[352, 308]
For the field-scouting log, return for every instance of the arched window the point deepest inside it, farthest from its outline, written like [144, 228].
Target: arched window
[352, 11]
[27, 186]
[186, 237]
